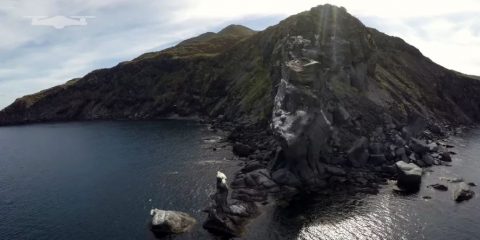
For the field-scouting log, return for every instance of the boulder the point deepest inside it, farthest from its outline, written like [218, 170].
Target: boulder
[472, 184]
[427, 159]
[409, 176]
[445, 156]
[463, 192]
[419, 146]
[401, 154]
[433, 147]
[259, 178]
[285, 177]
[242, 150]
[170, 222]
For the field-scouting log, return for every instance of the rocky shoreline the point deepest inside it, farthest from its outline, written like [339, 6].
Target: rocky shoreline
[318, 103]
[258, 183]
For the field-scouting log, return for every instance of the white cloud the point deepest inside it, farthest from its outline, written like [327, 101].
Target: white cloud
[34, 58]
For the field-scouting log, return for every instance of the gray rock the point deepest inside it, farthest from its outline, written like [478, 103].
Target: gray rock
[433, 147]
[453, 179]
[420, 163]
[239, 182]
[340, 116]
[412, 157]
[401, 154]
[285, 177]
[399, 140]
[260, 177]
[171, 222]
[249, 195]
[419, 146]
[361, 180]
[463, 192]
[358, 153]
[439, 187]
[409, 175]
[242, 150]
[336, 179]
[335, 170]
[445, 156]
[427, 159]
[377, 159]
[225, 219]
[376, 148]
[389, 169]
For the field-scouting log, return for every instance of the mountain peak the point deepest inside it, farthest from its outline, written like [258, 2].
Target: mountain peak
[235, 29]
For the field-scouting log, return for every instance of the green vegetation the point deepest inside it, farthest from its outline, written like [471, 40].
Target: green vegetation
[205, 45]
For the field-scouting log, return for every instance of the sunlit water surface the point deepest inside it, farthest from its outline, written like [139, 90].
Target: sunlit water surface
[389, 215]
[98, 180]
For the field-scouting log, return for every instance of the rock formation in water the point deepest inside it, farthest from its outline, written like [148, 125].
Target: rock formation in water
[224, 217]
[318, 101]
[463, 192]
[170, 222]
[409, 175]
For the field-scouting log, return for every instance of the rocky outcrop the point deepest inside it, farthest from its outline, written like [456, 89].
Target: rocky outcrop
[409, 175]
[463, 192]
[224, 217]
[170, 222]
[317, 102]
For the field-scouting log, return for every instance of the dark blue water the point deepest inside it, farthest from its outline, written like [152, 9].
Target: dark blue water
[99, 180]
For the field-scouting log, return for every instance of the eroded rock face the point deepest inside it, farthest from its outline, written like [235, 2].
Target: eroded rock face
[171, 222]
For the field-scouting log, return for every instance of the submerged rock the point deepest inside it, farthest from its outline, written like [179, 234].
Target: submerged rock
[463, 192]
[170, 222]
[409, 176]
[439, 187]
[452, 179]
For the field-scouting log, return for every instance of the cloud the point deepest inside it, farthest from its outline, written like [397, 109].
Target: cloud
[35, 57]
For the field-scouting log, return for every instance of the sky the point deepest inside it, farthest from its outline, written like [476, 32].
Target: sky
[35, 57]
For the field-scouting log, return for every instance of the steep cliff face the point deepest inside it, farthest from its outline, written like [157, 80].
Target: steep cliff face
[325, 84]
[347, 93]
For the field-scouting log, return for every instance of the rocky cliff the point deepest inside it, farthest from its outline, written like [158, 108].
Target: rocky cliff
[329, 89]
